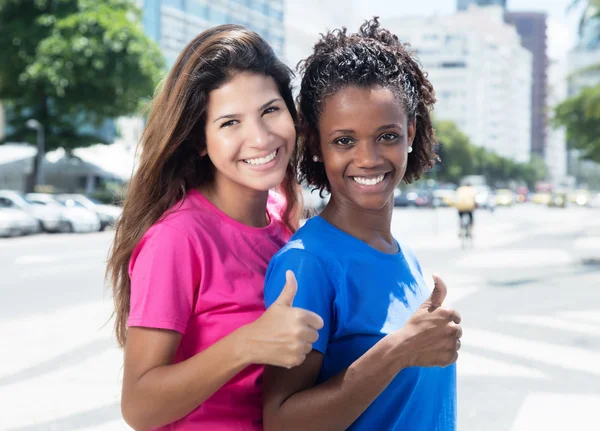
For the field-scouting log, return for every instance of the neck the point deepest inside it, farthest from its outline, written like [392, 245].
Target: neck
[370, 226]
[241, 203]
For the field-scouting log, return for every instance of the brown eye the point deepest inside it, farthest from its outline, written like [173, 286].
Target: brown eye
[343, 141]
[229, 123]
[388, 137]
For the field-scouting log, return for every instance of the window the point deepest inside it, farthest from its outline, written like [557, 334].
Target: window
[198, 7]
[453, 64]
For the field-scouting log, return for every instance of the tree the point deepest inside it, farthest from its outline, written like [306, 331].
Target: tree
[456, 152]
[580, 115]
[71, 65]
[589, 16]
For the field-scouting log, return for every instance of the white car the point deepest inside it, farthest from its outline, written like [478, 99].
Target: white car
[108, 214]
[14, 222]
[50, 219]
[77, 219]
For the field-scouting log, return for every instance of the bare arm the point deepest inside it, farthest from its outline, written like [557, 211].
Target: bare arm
[292, 402]
[157, 392]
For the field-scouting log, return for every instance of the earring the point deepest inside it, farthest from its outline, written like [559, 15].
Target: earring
[410, 148]
[315, 158]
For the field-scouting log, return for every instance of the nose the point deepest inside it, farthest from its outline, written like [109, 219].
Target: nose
[367, 155]
[259, 134]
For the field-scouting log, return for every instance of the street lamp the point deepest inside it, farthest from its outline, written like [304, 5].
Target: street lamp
[36, 125]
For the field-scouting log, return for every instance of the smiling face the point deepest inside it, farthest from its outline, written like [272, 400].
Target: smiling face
[250, 134]
[364, 138]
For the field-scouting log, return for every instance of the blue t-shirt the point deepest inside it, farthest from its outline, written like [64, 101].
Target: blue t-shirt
[363, 294]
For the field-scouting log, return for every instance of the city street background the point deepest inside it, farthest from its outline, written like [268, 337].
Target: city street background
[528, 291]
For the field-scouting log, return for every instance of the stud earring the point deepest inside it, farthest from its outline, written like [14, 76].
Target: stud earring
[315, 158]
[410, 148]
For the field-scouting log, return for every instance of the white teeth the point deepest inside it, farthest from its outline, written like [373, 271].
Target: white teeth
[369, 181]
[262, 160]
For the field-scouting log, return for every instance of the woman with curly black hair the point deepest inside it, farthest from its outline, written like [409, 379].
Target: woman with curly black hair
[385, 357]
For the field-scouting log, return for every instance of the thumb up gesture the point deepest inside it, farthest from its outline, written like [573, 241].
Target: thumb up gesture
[284, 334]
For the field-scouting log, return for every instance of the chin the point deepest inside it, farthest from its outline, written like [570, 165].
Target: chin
[373, 204]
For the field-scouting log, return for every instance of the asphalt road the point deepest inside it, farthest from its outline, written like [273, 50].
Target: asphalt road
[530, 307]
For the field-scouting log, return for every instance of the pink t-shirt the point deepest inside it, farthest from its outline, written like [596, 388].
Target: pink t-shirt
[201, 273]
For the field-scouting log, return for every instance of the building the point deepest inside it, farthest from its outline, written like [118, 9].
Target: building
[481, 74]
[556, 140]
[532, 28]
[462, 5]
[581, 58]
[173, 23]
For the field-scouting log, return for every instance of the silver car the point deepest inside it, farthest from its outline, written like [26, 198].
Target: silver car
[14, 222]
[50, 219]
[108, 214]
[77, 219]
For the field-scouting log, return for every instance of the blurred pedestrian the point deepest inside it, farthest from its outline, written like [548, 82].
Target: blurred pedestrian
[198, 229]
[385, 357]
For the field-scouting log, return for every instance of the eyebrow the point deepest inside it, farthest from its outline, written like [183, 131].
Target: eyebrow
[237, 115]
[379, 129]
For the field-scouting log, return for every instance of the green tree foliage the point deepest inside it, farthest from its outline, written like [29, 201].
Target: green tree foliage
[71, 65]
[460, 158]
[580, 115]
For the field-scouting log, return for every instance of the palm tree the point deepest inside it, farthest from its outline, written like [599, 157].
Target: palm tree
[590, 18]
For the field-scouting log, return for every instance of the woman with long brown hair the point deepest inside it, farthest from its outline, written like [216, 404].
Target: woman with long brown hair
[199, 226]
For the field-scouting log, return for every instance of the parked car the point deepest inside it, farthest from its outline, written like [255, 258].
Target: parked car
[108, 214]
[77, 219]
[405, 198]
[445, 195]
[50, 219]
[505, 197]
[485, 198]
[14, 222]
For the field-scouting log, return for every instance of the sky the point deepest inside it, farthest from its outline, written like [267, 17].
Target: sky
[562, 26]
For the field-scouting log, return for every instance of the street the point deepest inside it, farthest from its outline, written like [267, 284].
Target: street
[528, 291]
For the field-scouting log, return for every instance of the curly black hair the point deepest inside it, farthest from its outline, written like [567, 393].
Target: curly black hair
[372, 57]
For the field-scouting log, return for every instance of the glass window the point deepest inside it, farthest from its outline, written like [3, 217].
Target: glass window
[198, 7]
[174, 3]
[217, 16]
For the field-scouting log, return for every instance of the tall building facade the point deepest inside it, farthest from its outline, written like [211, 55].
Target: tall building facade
[462, 5]
[532, 29]
[481, 75]
[173, 23]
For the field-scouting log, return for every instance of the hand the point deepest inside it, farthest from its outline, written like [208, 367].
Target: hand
[283, 335]
[431, 337]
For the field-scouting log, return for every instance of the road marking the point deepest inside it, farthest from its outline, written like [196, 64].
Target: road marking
[472, 365]
[572, 358]
[556, 323]
[592, 316]
[100, 255]
[516, 258]
[558, 412]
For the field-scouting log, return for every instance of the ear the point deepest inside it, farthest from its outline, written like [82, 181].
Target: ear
[204, 152]
[412, 131]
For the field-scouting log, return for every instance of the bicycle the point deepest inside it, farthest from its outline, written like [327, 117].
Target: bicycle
[466, 231]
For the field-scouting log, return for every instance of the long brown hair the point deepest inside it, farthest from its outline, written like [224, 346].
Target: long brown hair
[174, 138]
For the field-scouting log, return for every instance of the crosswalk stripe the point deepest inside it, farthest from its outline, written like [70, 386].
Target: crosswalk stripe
[557, 323]
[553, 354]
[472, 365]
[590, 316]
[558, 412]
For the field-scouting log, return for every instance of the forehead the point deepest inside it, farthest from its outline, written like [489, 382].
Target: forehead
[243, 91]
[371, 105]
